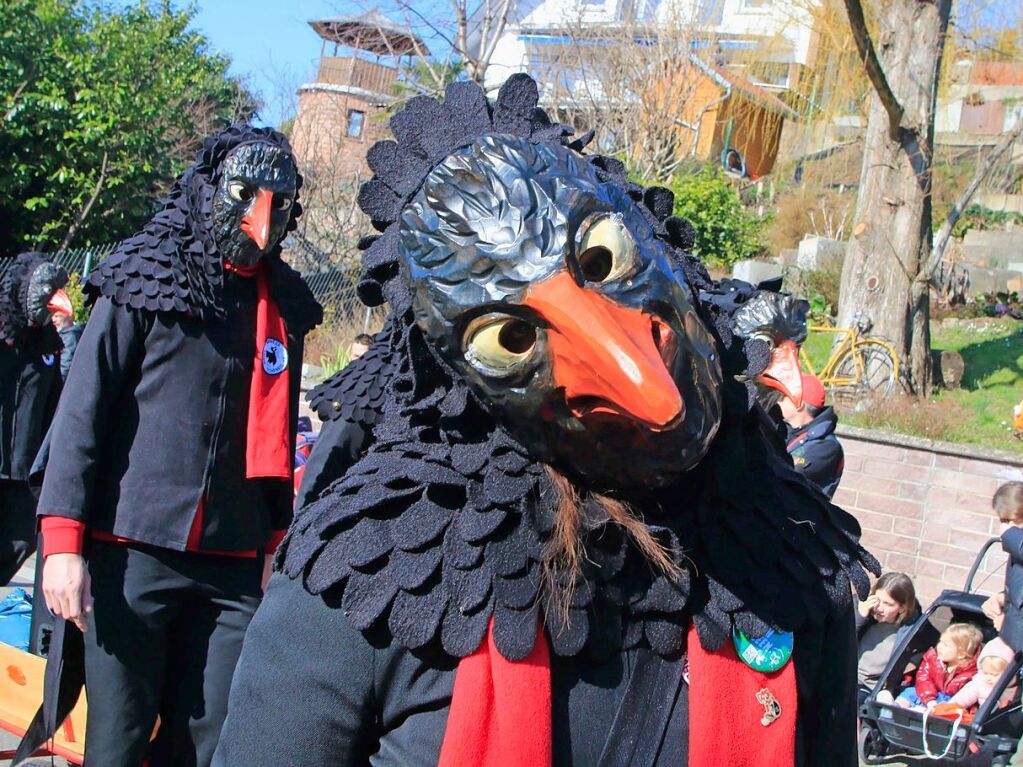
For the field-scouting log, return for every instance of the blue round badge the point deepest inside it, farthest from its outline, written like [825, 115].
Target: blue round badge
[767, 653]
[49, 359]
[275, 356]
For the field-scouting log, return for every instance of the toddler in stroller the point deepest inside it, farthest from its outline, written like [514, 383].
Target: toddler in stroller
[945, 669]
[888, 729]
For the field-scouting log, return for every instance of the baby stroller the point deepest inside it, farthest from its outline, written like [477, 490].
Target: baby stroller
[888, 730]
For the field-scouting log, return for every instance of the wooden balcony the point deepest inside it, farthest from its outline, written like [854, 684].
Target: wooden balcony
[357, 73]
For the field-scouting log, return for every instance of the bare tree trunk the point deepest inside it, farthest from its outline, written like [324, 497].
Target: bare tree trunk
[891, 240]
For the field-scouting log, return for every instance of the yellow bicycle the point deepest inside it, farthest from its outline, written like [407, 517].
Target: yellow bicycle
[858, 364]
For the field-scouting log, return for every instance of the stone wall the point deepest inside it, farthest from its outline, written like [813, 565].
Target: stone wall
[925, 506]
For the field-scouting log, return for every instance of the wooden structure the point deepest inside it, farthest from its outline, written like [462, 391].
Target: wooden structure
[21, 694]
[339, 114]
[721, 116]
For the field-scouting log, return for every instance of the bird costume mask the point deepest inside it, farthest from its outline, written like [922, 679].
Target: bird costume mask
[31, 291]
[252, 205]
[548, 292]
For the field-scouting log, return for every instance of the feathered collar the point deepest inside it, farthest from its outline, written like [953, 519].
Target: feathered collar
[172, 264]
[443, 524]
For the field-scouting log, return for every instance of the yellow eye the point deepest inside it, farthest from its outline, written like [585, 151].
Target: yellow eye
[605, 250]
[497, 344]
[239, 191]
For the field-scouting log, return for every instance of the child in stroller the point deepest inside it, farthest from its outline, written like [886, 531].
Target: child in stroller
[888, 729]
[945, 669]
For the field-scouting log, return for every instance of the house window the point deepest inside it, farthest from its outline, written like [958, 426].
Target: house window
[355, 121]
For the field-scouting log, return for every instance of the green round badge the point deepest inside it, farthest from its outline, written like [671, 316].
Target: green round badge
[767, 653]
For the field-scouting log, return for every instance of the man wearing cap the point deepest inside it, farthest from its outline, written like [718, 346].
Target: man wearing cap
[815, 450]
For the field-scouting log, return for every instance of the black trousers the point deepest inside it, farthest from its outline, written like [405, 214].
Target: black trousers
[164, 636]
[17, 527]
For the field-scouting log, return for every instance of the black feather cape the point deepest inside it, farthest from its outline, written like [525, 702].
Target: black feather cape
[442, 525]
[172, 265]
[13, 321]
[356, 392]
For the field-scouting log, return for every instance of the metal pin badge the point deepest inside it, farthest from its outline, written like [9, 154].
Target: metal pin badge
[772, 708]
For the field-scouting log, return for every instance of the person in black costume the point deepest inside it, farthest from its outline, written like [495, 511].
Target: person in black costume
[30, 385]
[573, 519]
[779, 320]
[170, 471]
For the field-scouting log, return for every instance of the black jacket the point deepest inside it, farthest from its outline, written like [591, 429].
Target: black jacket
[1012, 628]
[70, 338]
[155, 419]
[30, 385]
[817, 453]
[310, 690]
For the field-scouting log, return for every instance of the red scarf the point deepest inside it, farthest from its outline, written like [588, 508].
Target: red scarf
[268, 433]
[500, 713]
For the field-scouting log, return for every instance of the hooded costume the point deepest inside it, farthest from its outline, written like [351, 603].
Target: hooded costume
[570, 508]
[30, 384]
[171, 468]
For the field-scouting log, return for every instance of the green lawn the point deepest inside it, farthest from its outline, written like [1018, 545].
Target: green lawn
[980, 412]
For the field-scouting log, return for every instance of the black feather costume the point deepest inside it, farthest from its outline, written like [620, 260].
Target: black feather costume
[14, 300]
[30, 386]
[443, 524]
[172, 263]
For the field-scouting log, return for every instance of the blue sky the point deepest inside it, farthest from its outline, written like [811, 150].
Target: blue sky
[271, 44]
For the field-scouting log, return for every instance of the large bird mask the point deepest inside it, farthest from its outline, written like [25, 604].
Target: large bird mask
[547, 291]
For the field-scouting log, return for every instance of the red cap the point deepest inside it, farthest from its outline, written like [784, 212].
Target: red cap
[813, 391]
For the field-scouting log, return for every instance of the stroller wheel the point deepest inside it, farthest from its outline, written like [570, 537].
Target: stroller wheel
[872, 745]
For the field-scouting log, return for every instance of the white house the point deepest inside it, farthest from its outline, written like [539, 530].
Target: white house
[776, 35]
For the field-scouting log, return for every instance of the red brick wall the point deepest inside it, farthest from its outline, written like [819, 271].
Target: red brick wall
[925, 506]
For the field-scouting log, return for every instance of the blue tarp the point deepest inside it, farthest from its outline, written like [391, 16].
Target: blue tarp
[16, 619]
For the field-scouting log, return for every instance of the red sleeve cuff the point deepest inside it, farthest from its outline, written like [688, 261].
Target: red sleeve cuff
[62, 535]
[276, 536]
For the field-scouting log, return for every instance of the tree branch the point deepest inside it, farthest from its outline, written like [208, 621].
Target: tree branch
[489, 45]
[73, 229]
[983, 171]
[14, 101]
[875, 71]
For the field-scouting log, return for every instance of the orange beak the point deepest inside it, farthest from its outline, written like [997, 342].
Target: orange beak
[256, 222]
[60, 303]
[610, 359]
[784, 374]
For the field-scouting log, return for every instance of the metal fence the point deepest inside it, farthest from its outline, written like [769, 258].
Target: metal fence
[344, 315]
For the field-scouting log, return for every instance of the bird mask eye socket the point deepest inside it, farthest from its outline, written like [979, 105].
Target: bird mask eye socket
[605, 251]
[282, 203]
[498, 345]
[239, 191]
